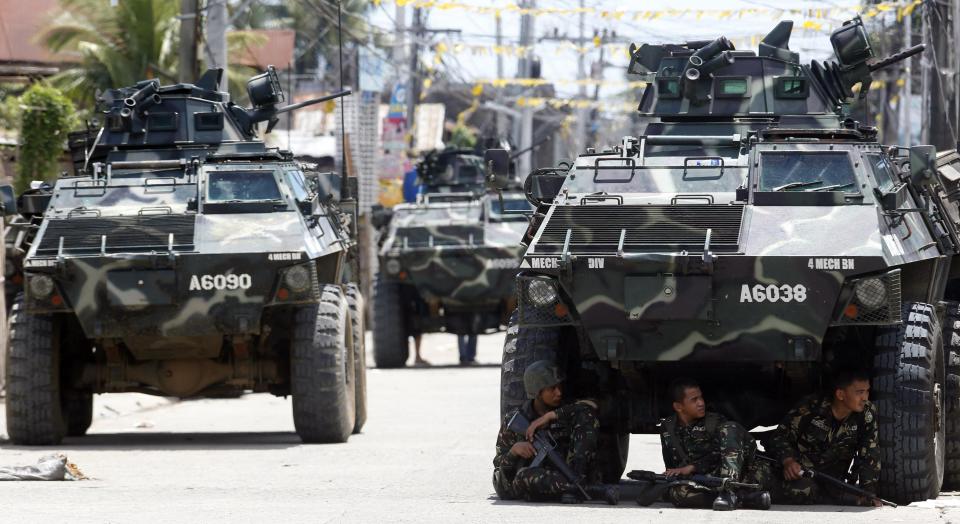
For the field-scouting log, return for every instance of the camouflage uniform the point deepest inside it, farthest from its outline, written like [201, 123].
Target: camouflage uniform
[575, 431]
[714, 446]
[813, 437]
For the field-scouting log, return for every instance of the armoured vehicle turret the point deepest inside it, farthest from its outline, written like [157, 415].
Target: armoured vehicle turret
[185, 258]
[755, 238]
[448, 261]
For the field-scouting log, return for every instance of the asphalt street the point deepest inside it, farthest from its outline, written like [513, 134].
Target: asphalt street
[424, 456]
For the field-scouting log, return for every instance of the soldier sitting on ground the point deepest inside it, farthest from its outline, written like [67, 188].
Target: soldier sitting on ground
[573, 426]
[695, 441]
[825, 434]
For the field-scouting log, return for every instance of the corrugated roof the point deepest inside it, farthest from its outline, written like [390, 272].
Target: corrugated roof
[276, 50]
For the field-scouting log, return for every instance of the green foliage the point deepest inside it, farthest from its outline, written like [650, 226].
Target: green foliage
[45, 117]
[132, 41]
[462, 137]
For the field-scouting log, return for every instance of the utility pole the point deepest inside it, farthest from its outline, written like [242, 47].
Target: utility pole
[413, 85]
[215, 37]
[188, 40]
[420, 32]
[500, 120]
[525, 70]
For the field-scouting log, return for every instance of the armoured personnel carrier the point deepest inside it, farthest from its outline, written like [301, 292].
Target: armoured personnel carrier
[448, 262]
[185, 258]
[754, 237]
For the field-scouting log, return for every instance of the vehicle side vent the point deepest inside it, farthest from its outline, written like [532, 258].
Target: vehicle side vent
[84, 235]
[607, 228]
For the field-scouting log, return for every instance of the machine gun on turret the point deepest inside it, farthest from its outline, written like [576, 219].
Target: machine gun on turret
[265, 93]
[853, 65]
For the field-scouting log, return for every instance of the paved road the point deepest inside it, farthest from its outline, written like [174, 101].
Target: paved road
[424, 456]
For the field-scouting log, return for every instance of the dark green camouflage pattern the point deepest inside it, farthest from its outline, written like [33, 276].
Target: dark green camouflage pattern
[455, 254]
[811, 435]
[576, 432]
[174, 239]
[728, 451]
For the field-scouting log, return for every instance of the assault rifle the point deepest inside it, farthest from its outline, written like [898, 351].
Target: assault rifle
[546, 446]
[834, 481]
[846, 486]
[658, 484]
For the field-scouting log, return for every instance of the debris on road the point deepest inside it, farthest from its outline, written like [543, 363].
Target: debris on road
[50, 467]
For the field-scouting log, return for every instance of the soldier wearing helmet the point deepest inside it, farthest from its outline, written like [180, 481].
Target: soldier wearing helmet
[573, 425]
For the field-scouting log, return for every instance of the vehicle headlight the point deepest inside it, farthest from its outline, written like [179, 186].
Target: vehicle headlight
[541, 292]
[870, 292]
[393, 266]
[297, 278]
[41, 286]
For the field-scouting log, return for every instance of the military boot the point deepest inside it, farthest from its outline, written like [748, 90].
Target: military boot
[755, 500]
[725, 501]
[605, 492]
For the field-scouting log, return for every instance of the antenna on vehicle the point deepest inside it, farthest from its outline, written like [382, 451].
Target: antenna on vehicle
[344, 187]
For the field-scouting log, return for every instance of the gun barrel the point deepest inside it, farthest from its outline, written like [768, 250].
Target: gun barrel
[313, 101]
[849, 488]
[903, 55]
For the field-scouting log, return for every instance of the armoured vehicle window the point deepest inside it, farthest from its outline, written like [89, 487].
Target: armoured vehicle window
[791, 87]
[225, 186]
[512, 205]
[668, 87]
[882, 170]
[297, 185]
[806, 171]
[732, 87]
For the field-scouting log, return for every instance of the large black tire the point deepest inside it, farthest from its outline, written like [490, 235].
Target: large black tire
[951, 351]
[356, 304]
[34, 409]
[908, 391]
[522, 347]
[612, 452]
[322, 369]
[77, 411]
[390, 345]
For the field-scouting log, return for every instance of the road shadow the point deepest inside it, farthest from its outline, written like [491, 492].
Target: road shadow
[268, 440]
[439, 366]
[628, 500]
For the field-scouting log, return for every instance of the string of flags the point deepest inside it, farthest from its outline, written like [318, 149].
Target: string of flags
[901, 7]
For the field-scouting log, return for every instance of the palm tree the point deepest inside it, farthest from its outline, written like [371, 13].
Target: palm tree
[123, 44]
[116, 46]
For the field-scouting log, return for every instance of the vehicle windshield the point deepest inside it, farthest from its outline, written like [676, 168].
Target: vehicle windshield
[664, 170]
[812, 171]
[226, 186]
[514, 209]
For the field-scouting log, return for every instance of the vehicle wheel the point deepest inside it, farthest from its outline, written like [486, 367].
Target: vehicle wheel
[322, 369]
[612, 451]
[34, 410]
[951, 351]
[356, 304]
[908, 391]
[522, 347]
[390, 345]
[77, 411]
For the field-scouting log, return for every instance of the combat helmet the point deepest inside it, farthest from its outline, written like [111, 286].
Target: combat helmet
[541, 374]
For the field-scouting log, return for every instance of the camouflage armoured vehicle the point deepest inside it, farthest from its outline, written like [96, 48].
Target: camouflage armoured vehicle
[187, 259]
[447, 262]
[754, 237]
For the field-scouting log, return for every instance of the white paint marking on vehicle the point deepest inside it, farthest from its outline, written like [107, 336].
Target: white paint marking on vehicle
[760, 293]
[220, 282]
